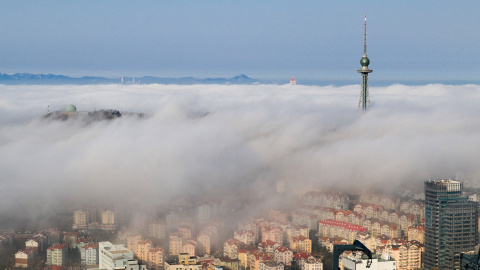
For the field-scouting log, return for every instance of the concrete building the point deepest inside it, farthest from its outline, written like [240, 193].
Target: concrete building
[407, 256]
[334, 200]
[155, 258]
[255, 258]
[388, 202]
[329, 242]
[269, 265]
[81, 219]
[156, 229]
[283, 255]
[268, 246]
[451, 223]
[81, 241]
[183, 262]
[57, 254]
[247, 237]
[38, 242]
[190, 247]
[132, 241]
[142, 249]
[370, 210]
[305, 218]
[206, 212]
[251, 225]
[89, 254]
[379, 263]
[333, 228]
[204, 241]
[225, 262]
[301, 259]
[416, 233]
[175, 244]
[70, 238]
[312, 263]
[231, 247]
[274, 234]
[301, 244]
[117, 257]
[24, 257]
[185, 231]
[296, 231]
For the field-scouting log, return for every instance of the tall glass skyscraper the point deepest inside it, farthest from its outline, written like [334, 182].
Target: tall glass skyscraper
[451, 224]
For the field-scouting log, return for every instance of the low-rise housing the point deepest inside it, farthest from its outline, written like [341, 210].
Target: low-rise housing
[24, 257]
[57, 254]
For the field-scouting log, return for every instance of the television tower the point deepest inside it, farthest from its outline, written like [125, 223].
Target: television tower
[364, 102]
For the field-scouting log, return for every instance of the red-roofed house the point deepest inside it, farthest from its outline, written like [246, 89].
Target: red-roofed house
[231, 247]
[301, 258]
[255, 258]
[333, 228]
[268, 246]
[247, 237]
[80, 242]
[274, 234]
[283, 255]
[295, 231]
[301, 244]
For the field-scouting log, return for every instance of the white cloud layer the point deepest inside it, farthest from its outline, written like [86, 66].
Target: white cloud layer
[207, 136]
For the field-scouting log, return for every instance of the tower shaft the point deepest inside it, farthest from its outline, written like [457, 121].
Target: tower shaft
[364, 101]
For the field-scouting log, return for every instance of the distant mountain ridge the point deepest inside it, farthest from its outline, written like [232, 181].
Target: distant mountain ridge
[29, 78]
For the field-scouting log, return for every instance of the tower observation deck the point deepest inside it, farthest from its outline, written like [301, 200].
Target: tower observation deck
[364, 102]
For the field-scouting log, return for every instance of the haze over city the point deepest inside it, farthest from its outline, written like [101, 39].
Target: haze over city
[204, 135]
[248, 123]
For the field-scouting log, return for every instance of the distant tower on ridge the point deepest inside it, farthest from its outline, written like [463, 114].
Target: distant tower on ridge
[364, 102]
[293, 82]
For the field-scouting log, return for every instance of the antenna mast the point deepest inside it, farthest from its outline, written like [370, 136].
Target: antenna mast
[364, 101]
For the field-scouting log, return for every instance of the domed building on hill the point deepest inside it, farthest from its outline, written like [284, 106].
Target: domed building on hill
[71, 113]
[71, 108]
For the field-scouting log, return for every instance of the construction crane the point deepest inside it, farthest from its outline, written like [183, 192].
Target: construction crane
[357, 246]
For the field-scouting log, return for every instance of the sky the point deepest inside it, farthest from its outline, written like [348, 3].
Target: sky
[407, 40]
[199, 138]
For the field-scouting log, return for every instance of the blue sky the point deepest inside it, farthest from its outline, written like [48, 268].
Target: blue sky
[414, 40]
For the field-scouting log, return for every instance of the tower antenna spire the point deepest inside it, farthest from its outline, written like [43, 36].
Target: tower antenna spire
[365, 37]
[364, 102]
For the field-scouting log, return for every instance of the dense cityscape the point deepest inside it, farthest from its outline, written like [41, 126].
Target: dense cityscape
[404, 231]
[191, 168]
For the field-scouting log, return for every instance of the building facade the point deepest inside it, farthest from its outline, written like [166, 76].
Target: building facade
[451, 223]
[57, 254]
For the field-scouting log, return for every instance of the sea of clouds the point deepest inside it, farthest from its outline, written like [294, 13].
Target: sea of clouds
[200, 137]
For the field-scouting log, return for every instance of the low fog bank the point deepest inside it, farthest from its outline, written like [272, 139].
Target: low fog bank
[217, 139]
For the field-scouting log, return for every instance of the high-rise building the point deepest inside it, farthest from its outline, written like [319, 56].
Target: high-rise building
[451, 223]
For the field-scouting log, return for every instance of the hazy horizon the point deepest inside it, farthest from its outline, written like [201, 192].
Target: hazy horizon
[431, 40]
